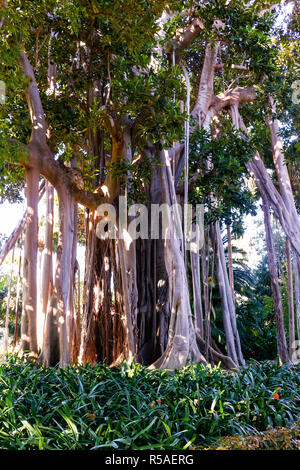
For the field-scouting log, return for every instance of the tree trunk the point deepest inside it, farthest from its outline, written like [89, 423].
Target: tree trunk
[127, 255]
[153, 286]
[290, 298]
[182, 346]
[230, 266]
[63, 268]
[97, 324]
[73, 315]
[196, 280]
[281, 339]
[88, 351]
[39, 316]
[18, 296]
[47, 276]
[103, 335]
[128, 276]
[56, 332]
[29, 312]
[6, 331]
[204, 114]
[109, 278]
[77, 316]
[204, 265]
[216, 357]
[120, 337]
[296, 262]
[229, 318]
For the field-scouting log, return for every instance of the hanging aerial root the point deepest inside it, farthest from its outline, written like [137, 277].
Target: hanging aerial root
[217, 357]
[226, 361]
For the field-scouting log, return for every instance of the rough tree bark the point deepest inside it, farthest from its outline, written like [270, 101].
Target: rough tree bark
[153, 285]
[103, 315]
[97, 297]
[88, 351]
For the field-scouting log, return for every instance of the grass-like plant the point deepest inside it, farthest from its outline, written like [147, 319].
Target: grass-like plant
[131, 407]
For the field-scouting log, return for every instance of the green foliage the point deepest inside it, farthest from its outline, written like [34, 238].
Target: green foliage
[11, 183]
[4, 282]
[11, 175]
[95, 407]
[256, 318]
[221, 164]
[242, 29]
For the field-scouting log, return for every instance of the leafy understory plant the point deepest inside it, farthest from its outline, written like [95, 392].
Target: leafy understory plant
[132, 407]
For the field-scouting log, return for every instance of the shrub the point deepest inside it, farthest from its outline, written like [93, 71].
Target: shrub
[274, 439]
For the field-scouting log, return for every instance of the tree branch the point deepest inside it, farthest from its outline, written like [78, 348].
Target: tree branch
[232, 97]
[37, 115]
[206, 85]
[185, 38]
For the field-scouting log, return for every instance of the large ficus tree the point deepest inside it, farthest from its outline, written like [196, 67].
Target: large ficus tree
[102, 100]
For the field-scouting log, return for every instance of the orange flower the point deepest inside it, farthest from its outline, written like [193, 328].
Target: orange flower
[275, 396]
[151, 406]
[159, 400]
[90, 415]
